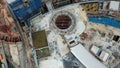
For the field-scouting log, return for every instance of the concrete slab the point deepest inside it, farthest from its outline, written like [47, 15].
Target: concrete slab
[14, 53]
[51, 63]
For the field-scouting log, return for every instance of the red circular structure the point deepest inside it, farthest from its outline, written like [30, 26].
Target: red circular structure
[63, 21]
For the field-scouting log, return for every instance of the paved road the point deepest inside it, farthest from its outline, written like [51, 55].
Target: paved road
[23, 53]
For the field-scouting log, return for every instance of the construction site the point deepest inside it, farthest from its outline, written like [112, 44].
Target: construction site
[59, 34]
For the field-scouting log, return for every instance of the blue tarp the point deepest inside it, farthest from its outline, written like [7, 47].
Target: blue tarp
[106, 21]
[16, 3]
[25, 12]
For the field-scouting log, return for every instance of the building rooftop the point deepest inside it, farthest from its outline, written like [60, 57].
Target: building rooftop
[84, 57]
[114, 5]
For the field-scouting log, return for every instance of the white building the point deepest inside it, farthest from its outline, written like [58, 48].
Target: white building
[114, 5]
[86, 58]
